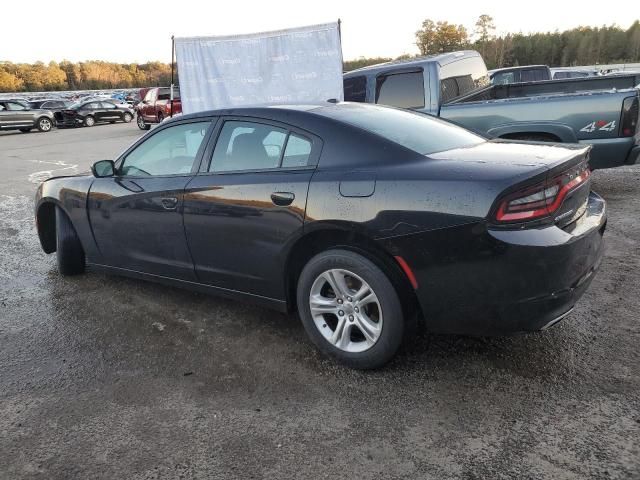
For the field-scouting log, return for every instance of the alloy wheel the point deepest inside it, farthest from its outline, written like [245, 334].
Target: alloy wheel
[45, 124]
[346, 310]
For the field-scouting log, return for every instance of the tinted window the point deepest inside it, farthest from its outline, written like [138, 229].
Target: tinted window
[163, 94]
[297, 152]
[421, 133]
[247, 146]
[355, 89]
[171, 151]
[461, 77]
[404, 90]
[535, 75]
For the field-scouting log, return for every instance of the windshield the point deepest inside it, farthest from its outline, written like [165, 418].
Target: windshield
[419, 132]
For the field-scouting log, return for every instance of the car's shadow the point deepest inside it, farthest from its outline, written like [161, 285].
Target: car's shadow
[137, 320]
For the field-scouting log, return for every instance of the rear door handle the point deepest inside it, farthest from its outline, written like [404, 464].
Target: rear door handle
[282, 199]
[169, 203]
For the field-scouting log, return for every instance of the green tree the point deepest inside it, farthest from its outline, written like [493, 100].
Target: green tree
[484, 30]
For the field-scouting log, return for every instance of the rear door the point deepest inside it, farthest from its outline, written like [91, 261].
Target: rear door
[136, 216]
[110, 112]
[248, 202]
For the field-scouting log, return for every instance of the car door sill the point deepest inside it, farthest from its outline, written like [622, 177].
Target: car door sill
[275, 304]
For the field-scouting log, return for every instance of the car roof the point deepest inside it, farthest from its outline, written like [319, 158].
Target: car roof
[441, 58]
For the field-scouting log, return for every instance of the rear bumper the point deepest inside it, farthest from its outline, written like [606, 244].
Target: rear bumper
[612, 152]
[475, 280]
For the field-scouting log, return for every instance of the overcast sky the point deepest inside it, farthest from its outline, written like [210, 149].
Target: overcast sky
[134, 31]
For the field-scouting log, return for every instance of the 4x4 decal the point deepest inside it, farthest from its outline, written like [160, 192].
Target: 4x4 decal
[599, 125]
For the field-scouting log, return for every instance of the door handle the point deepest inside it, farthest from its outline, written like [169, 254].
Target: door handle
[282, 199]
[169, 203]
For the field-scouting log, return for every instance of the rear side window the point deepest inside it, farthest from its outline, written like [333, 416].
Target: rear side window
[355, 89]
[461, 77]
[248, 146]
[535, 75]
[297, 152]
[419, 132]
[403, 90]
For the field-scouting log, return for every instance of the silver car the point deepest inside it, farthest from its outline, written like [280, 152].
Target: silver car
[16, 116]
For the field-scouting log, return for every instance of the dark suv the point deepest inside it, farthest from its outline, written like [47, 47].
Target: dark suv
[16, 116]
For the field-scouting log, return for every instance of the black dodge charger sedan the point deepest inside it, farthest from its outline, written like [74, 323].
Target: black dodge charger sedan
[363, 219]
[89, 113]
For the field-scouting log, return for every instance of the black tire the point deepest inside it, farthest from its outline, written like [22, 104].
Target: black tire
[160, 117]
[69, 251]
[142, 125]
[393, 327]
[126, 118]
[25, 130]
[44, 124]
[89, 121]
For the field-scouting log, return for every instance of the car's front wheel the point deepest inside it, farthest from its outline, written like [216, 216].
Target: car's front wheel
[89, 121]
[69, 251]
[44, 124]
[350, 309]
[142, 125]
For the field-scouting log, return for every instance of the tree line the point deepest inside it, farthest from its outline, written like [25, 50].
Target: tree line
[91, 75]
[578, 46]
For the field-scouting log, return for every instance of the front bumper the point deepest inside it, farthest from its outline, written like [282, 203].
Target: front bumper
[476, 280]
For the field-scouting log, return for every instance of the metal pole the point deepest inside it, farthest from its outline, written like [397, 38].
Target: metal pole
[173, 54]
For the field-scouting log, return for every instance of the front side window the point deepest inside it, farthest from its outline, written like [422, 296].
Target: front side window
[355, 89]
[403, 90]
[248, 146]
[171, 151]
[108, 105]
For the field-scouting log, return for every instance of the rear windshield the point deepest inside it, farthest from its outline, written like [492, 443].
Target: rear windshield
[419, 132]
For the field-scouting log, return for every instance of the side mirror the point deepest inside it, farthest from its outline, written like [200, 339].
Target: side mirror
[103, 168]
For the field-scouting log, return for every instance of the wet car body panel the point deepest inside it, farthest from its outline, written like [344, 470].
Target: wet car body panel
[435, 212]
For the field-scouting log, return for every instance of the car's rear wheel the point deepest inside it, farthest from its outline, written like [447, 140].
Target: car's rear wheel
[142, 125]
[44, 124]
[69, 251]
[350, 309]
[126, 118]
[25, 130]
[89, 121]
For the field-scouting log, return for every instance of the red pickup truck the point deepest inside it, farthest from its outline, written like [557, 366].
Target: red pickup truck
[156, 106]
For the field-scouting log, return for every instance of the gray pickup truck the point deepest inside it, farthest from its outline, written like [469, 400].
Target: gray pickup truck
[600, 111]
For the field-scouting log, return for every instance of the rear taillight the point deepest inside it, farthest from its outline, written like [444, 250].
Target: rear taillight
[541, 200]
[629, 119]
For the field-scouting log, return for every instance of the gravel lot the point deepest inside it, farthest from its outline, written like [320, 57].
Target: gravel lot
[105, 377]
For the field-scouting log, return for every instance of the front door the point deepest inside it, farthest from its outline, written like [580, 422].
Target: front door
[136, 216]
[250, 200]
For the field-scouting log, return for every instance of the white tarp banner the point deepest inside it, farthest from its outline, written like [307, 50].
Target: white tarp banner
[299, 65]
